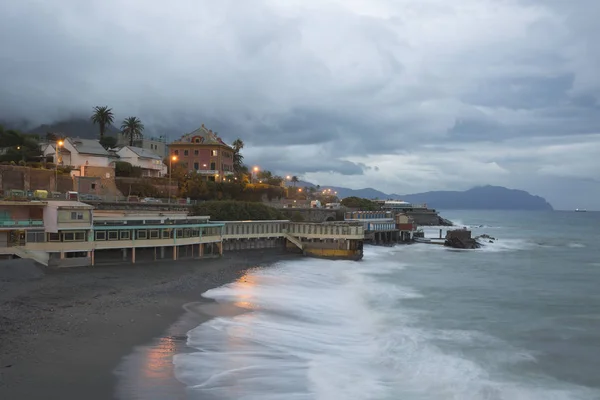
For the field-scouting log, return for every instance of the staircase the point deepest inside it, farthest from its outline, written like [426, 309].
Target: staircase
[38, 256]
[294, 240]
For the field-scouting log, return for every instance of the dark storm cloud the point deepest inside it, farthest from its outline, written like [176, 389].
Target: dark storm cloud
[344, 83]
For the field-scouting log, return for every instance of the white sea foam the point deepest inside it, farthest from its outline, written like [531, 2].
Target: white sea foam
[506, 245]
[327, 330]
[576, 245]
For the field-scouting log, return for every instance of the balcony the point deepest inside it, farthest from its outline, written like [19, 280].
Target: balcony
[26, 223]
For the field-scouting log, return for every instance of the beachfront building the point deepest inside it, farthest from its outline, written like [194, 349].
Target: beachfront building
[372, 220]
[398, 205]
[19, 221]
[203, 152]
[64, 233]
[152, 165]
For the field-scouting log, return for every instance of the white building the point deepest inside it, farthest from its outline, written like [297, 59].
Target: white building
[150, 163]
[79, 152]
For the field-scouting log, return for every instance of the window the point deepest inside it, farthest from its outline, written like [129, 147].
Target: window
[125, 235]
[166, 233]
[213, 153]
[185, 152]
[93, 186]
[179, 233]
[80, 236]
[54, 237]
[113, 235]
[100, 235]
[154, 234]
[68, 236]
[176, 152]
[196, 152]
[196, 166]
[197, 140]
[35, 237]
[213, 166]
[142, 234]
[76, 215]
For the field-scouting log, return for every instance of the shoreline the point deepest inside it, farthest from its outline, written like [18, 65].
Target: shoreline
[65, 335]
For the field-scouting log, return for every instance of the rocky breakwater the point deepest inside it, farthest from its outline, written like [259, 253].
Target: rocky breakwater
[462, 239]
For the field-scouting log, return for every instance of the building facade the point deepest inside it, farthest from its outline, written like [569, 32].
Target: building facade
[152, 165]
[203, 152]
[157, 145]
[79, 152]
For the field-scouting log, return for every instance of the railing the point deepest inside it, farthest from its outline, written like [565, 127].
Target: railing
[21, 223]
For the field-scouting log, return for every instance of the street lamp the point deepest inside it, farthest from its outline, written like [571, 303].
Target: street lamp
[59, 144]
[255, 169]
[171, 159]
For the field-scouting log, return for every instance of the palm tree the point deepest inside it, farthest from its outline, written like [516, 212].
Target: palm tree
[103, 116]
[238, 158]
[295, 180]
[132, 128]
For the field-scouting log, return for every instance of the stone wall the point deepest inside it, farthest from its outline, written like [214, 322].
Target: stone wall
[106, 176]
[26, 178]
[312, 214]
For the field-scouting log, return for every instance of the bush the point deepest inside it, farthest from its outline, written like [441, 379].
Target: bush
[297, 217]
[359, 203]
[123, 169]
[236, 211]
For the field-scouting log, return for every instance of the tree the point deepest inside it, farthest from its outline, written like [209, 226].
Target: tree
[238, 158]
[132, 128]
[19, 147]
[103, 116]
[51, 137]
[295, 180]
[108, 142]
[360, 203]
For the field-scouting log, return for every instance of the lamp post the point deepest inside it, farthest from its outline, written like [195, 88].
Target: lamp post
[171, 159]
[255, 169]
[58, 146]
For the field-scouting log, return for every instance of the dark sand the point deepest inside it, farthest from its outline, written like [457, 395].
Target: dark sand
[63, 336]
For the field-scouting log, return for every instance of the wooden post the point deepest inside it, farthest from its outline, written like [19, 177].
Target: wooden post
[174, 253]
[133, 255]
[92, 256]
[201, 250]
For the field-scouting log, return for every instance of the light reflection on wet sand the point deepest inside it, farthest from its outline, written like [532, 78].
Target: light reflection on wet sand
[148, 372]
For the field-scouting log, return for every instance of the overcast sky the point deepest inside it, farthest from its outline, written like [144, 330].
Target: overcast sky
[400, 95]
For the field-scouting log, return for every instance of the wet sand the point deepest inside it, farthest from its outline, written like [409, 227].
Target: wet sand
[66, 335]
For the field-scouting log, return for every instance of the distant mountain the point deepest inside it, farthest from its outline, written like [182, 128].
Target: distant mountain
[74, 127]
[480, 198]
[477, 198]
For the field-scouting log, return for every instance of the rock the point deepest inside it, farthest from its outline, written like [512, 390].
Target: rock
[461, 239]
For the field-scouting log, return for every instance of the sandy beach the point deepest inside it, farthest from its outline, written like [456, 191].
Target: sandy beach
[63, 335]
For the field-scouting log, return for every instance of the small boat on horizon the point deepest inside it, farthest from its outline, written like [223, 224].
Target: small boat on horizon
[579, 210]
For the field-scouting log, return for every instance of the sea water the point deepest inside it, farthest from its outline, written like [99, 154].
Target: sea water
[518, 319]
